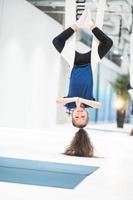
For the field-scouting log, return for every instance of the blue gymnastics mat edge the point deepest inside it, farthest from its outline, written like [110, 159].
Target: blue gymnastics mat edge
[46, 165]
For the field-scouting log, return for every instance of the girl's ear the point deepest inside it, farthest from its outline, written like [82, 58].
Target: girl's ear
[69, 112]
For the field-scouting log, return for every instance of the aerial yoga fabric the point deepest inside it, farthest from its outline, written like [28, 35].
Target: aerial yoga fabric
[99, 22]
[68, 51]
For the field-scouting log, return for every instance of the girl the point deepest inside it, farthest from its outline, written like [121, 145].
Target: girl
[80, 94]
[81, 79]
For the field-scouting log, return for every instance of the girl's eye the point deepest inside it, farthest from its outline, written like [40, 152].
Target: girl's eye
[76, 117]
[83, 116]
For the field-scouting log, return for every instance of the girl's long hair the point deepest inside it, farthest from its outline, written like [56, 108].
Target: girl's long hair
[80, 145]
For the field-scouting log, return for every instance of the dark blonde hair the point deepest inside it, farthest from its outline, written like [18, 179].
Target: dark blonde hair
[80, 145]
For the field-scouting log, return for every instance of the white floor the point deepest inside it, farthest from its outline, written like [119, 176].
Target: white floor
[113, 181]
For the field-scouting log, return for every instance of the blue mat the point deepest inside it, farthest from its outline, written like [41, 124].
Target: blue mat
[43, 173]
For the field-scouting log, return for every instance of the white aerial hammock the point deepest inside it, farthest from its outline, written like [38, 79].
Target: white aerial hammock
[99, 23]
[68, 52]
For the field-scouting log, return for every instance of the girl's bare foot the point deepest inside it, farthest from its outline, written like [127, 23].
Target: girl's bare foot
[74, 27]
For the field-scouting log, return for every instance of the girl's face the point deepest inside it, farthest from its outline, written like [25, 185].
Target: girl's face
[80, 116]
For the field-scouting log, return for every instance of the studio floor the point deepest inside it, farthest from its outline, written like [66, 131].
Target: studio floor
[113, 148]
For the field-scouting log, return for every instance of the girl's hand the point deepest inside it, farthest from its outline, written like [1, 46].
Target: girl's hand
[78, 102]
[62, 101]
[92, 103]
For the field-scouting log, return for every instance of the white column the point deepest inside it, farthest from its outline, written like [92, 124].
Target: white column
[1, 13]
[131, 60]
[99, 22]
[131, 65]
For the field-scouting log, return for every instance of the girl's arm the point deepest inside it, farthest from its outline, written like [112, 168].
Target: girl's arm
[93, 104]
[64, 101]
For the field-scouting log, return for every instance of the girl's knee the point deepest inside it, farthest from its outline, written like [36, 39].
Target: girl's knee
[110, 43]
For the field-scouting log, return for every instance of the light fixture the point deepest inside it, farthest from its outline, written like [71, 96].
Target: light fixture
[119, 103]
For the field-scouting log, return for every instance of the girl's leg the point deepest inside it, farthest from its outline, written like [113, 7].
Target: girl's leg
[59, 41]
[105, 42]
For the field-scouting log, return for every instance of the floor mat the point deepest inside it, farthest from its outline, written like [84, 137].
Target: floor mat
[43, 173]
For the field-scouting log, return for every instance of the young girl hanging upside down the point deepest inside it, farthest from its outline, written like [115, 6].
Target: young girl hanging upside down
[80, 93]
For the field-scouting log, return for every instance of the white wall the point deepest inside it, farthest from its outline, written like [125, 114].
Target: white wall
[29, 66]
[131, 60]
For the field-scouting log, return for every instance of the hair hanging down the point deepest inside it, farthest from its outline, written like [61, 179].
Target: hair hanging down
[80, 145]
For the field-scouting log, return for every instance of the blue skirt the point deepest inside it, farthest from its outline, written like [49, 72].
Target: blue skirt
[81, 84]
